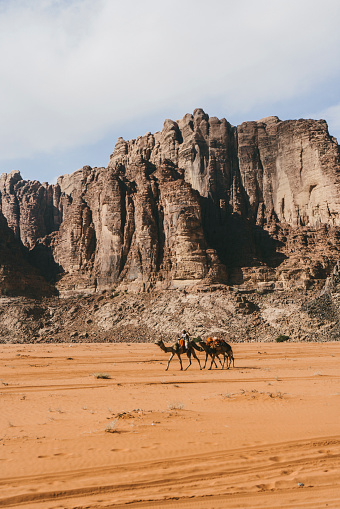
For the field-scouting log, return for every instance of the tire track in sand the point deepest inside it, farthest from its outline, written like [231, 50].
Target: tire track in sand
[270, 468]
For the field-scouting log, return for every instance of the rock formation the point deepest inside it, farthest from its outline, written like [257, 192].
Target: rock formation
[17, 275]
[201, 202]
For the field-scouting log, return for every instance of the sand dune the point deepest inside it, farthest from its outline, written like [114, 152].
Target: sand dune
[265, 434]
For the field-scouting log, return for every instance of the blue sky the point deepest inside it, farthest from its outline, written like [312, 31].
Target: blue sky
[75, 75]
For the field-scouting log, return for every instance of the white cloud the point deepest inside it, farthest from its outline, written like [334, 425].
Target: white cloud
[332, 114]
[72, 70]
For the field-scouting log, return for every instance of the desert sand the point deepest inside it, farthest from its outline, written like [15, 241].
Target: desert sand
[263, 434]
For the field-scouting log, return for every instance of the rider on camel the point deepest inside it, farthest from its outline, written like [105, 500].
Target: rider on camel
[185, 336]
[183, 340]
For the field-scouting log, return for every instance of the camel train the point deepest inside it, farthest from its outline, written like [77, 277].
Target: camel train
[212, 347]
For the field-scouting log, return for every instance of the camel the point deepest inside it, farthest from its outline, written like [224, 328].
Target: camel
[176, 349]
[213, 354]
[214, 350]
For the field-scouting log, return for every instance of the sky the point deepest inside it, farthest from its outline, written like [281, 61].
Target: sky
[77, 74]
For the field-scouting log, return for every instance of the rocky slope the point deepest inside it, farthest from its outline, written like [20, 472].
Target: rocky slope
[144, 317]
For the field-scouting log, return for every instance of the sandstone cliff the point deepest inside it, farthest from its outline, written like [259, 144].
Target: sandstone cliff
[17, 275]
[258, 168]
[201, 202]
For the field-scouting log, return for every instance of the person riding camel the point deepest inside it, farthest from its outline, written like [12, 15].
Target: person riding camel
[185, 336]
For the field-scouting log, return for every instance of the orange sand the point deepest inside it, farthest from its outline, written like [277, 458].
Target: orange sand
[238, 438]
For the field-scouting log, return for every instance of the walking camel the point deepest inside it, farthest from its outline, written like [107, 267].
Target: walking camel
[216, 349]
[176, 349]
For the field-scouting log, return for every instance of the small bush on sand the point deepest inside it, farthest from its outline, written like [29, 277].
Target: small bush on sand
[101, 375]
[281, 338]
[111, 428]
[176, 406]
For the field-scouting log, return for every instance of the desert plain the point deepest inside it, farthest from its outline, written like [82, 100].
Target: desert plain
[103, 425]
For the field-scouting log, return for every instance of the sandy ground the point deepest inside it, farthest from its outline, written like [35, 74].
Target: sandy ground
[238, 438]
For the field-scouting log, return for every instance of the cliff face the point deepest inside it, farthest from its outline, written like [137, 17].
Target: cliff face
[201, 201]
[32, 209]
[289, 168]
[17, 275]
[137, 230]
[292, 168]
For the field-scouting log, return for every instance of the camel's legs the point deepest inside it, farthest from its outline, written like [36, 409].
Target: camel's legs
[222, 365]
[212, 360]
[229, 356]
[171, 356]
[189, 357]
[206, 358]
[195, 355]
[213, 356]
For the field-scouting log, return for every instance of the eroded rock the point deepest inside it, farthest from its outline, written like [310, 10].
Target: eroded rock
[201, 202]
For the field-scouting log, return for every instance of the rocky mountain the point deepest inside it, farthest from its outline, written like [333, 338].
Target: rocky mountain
[220, 229]
[200, 203]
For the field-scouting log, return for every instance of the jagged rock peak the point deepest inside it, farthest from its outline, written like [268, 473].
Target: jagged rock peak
[289, 168]
[32, 209]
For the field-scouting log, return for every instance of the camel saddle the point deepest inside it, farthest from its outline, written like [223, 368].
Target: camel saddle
[179, 344]
[213, 342]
